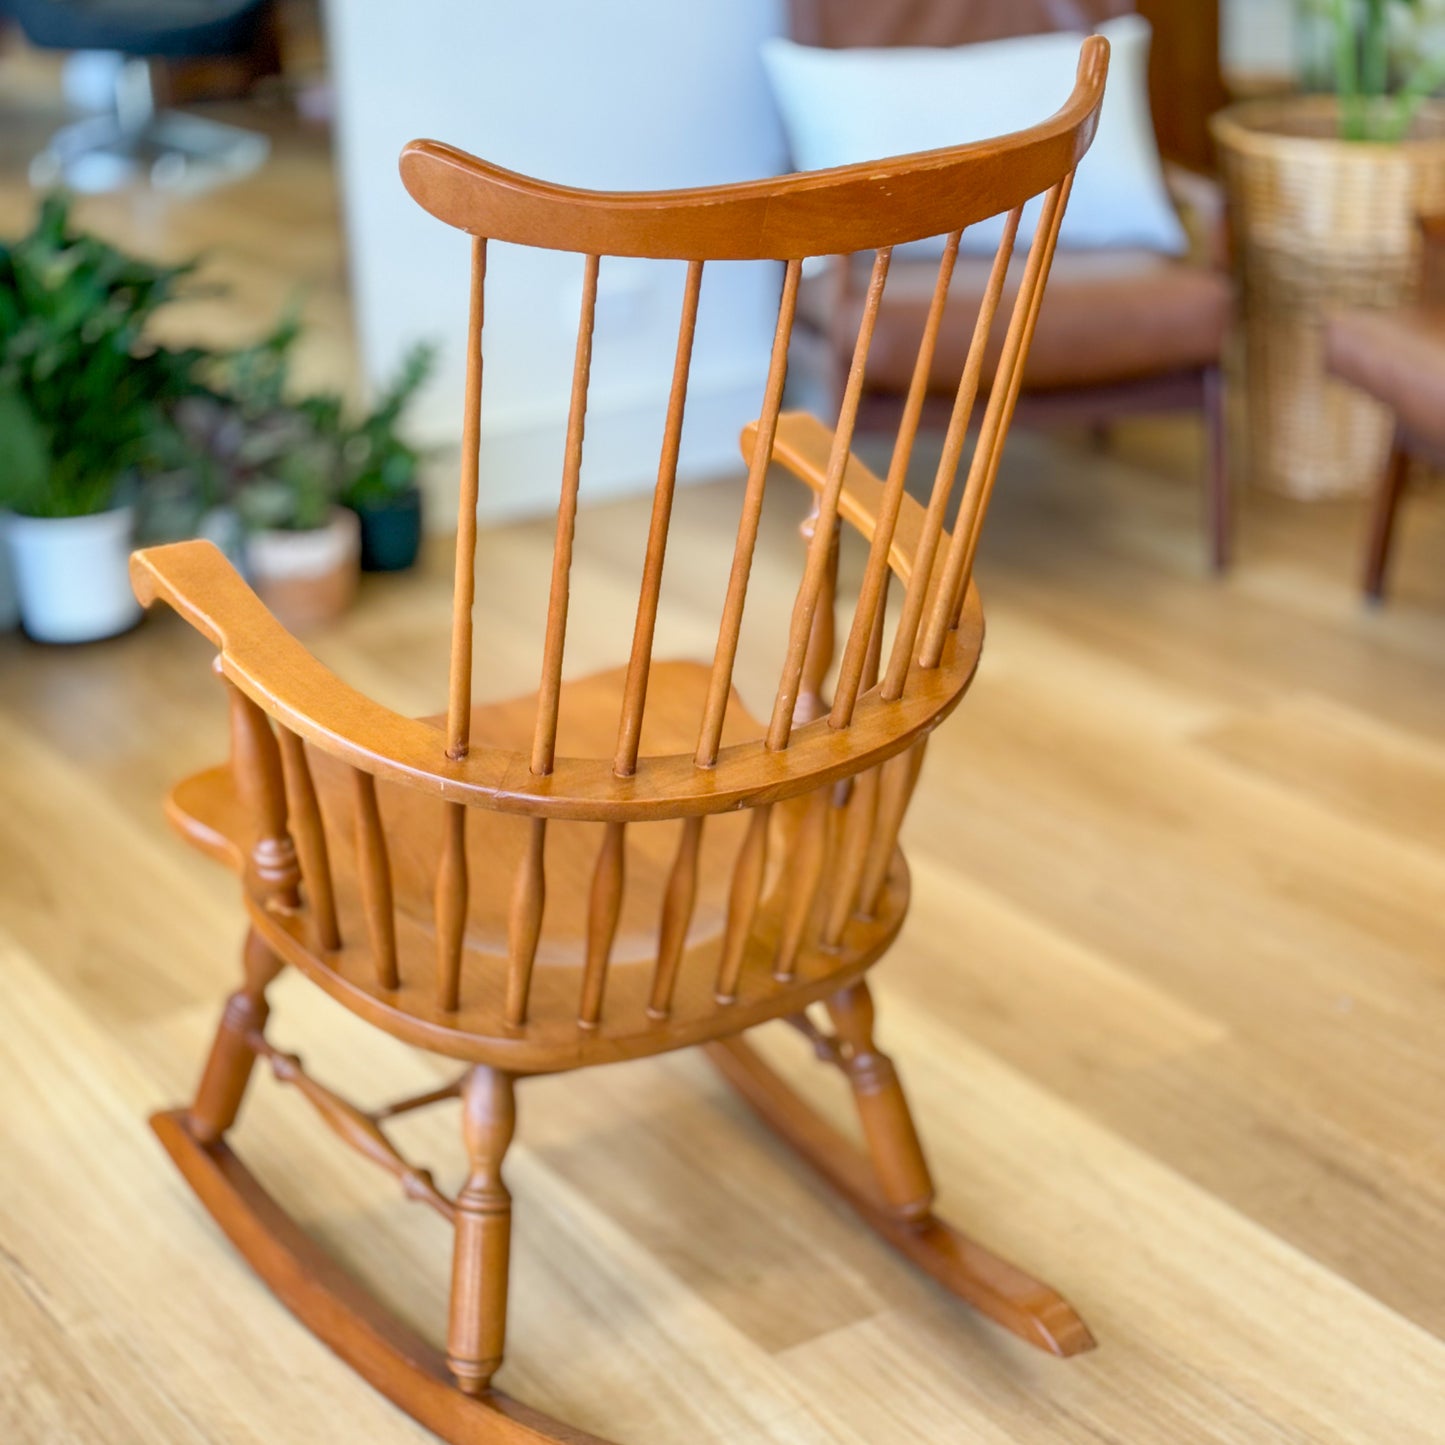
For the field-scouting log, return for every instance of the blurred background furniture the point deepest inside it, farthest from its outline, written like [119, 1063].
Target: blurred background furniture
[179, 150]
[1124, 332]
[1398, 357]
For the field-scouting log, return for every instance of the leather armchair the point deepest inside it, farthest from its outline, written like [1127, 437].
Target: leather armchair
[1121, 332]
[1398, 356]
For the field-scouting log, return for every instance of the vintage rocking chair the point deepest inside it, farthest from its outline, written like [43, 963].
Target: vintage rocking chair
[461, 884]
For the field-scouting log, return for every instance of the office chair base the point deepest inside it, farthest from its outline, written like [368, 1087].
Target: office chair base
[175, 151]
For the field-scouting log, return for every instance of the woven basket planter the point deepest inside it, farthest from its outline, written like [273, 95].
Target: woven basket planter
[1319, 223]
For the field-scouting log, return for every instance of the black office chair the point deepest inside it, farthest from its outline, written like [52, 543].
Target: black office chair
[181, 151]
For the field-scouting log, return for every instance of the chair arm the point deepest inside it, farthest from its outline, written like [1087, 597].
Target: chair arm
[1200, 201]
[1432, 259]
[266, 663]
[803, 444]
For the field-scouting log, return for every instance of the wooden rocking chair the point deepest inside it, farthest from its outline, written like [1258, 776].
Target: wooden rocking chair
[629, 863]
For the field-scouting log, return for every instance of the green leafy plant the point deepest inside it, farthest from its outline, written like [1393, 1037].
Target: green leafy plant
[83, 392]
[378, 466]
[1380, 93]
[243, 441]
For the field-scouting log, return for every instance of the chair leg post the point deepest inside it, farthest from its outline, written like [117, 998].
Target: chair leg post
[888, 1127]
[1219, 498]
[228, 1067]
[476, 1333]
[1382, 519]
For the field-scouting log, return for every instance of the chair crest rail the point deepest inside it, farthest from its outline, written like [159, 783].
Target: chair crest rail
[832, 212]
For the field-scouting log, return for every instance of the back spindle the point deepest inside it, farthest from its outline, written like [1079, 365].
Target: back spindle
[964, 401]
[544, 743]
[629, 729]
[823, 540]
[988, 449]
[724, 658]
[871, 594]
[452, 882]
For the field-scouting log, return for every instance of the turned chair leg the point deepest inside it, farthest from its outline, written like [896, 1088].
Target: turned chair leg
[888, 1128]
[1219, 498]
[477, 1331]
[1382, 519]
[228, 1068]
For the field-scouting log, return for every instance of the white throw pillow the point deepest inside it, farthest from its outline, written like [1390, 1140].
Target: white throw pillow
[842, 106]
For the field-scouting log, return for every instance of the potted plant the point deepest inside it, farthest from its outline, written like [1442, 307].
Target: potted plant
[1325, 192]
[82, 396]
[379, 473]
[276, 462]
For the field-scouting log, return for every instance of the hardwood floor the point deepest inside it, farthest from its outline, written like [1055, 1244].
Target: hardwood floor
[1169, 1004]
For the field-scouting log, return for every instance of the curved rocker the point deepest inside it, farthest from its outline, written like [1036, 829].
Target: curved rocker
[340, 1313]
[1025, 1307]
[889, 1187]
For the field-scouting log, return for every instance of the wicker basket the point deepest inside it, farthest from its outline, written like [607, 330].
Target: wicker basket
[1319, 223]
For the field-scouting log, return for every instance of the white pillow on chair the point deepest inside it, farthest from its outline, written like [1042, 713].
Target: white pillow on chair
[842, 106]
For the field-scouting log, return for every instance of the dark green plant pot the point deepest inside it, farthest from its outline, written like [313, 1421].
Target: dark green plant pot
[390, 533]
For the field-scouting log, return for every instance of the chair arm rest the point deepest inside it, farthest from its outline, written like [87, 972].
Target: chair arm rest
[803, 444]
[1200, 201]
[265, 662]
[1432, 258]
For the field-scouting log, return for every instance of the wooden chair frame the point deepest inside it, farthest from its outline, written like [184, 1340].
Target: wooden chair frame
[830, 777]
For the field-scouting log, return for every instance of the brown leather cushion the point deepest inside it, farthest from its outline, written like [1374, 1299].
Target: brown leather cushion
[1399, 358]
[842, 24]
[1107, 317]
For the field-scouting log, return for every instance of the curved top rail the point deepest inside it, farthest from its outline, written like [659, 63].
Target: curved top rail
[266, 663]
[813, 213]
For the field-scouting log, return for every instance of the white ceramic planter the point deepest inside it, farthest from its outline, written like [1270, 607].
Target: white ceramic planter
[71, 575]
[307, 577]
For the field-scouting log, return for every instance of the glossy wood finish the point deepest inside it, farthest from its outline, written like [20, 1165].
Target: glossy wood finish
[1022, 1305]
[822, 213]
[1389, 492]
[339, 1312]
[501, 889]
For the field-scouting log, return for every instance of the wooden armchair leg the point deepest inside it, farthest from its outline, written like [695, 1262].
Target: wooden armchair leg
[1219, 498]
[888, 1127]
[1382, 519]
[228, 1068]
[481, 1257]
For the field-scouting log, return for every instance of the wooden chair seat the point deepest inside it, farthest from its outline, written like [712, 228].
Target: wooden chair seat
[208, 811]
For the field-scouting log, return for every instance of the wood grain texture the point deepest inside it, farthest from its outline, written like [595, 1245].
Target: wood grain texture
[374, 879]
[309, 834]
[820, 213]
[1241, 1124]
[1183, 1109]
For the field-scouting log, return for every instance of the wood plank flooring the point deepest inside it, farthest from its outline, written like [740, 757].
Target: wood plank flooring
[1171, 1004]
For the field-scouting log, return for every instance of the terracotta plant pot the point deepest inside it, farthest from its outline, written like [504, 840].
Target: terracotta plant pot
[71, 577]
[390, 532]
[1319, 223]
[307, 578]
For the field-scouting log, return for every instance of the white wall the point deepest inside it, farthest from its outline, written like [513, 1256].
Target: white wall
[626, 94]
[1259, 37]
